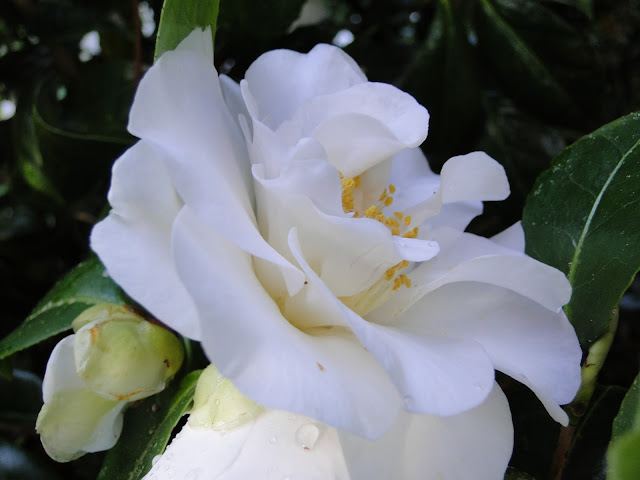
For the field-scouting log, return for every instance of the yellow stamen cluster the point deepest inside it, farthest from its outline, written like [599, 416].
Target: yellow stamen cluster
[394, 222]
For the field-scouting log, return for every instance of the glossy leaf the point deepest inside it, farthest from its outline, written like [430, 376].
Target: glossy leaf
[180, 17]
[583, 217]
[147, 429]
[623, 458]
[85, 286]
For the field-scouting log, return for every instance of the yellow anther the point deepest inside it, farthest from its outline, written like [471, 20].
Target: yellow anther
[403, 264]
[395, 231]
[398, 215]
[389, 274]
[380, 217]
[407, 220]
[388, 201]
[357, 181]
[371, 211]
[406, 281]
[392, 189]
[397, 283]
[412, 234]
[383, 196]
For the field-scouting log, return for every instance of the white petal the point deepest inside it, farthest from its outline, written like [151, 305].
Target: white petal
[281, 80]
[133, 242]
[274, 446]
[453, 376]
[60, 375]
[476, 445]
[186, 117]
[467, 257]
[474, 176]
[415, 249]
[73, 419]
[363, 125]
[325, 374]
[523, 339]
[512, 237]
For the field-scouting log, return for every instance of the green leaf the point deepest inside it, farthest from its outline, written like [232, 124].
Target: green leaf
[623, 460]
[585, 6]
[623, 456]
[513, 474]
[628, 418]
[180, 17]
[147, 430]
[543, 62]
[443, 76]
[84, 286]
[583, 217]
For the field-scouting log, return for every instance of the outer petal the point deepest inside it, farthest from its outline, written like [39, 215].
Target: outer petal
[325, 374]
[133, 242]
[274, 446]
[534, 345]
[204, 150]
[475, 445]
[281, 80]
[465, 178]
[453, 375]
[74, 420]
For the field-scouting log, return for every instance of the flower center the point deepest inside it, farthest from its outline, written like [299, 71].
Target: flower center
[398, 224]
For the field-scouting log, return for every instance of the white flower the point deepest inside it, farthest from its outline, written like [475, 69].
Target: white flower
[89, 378]
[291, 226]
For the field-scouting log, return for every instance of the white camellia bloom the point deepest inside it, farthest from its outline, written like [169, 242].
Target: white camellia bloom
[291, 225]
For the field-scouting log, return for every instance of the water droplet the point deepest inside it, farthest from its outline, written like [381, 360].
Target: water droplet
[273, 440]
[291, 418]
[155, 460]
[307, 435]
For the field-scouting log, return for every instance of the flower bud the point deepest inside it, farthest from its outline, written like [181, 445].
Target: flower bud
[218, 405]
[121, 356]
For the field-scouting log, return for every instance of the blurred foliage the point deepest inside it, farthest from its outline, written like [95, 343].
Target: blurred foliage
[520, 79]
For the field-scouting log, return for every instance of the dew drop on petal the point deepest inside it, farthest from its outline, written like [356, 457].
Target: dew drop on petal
[307, 435]
[273, 440]
[155, 460]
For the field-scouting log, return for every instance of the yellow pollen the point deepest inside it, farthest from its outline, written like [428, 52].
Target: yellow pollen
[398, 215]
[388, 201]
[407, 220]
[403, 264]
[371, 211]
[357, 181]
[412, 234]
[392, 189]
[383, 196]
[395, 231]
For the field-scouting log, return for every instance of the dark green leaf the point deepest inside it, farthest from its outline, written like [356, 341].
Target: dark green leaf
[583, 217]
[180, 17]
[85, 286]
[586, 458]
[546, 64]
[443, 77]
[623, 456]
[21, 408]
[147, 430]
[67, 134]
[585, 6]
[623, 460]
[513, 474]
[628, 418]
